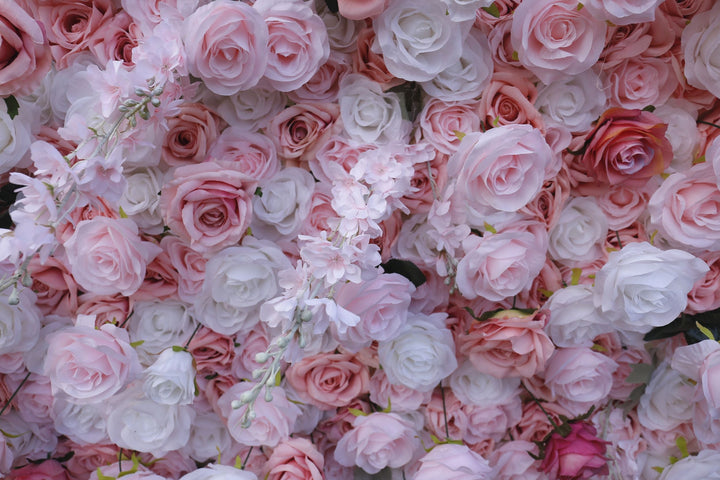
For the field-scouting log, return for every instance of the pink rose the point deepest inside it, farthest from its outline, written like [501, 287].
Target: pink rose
[555, 39]
[627, 147]
[295, 459]
[641, 81]
[212, 352]
[250, 344]
[24, 50]
[88, 364]
[190, 134]
[54, 285]
[299, 131]
[371, 63]
[509, 100]
[47, 470]
[189, 264]
[705, 294]
[324, 86]
[446, 409]
[622, 204]
[512, 462]
[453, 462]
[253, 154]
[424, 188]
[106, 308]
[329, 380]
[336, 158]
[297, 43]
[207, 205]
[116, 40]
[226, 44]
[161, 279]
[443, 124]
[581, 454]
[377, 441]
[399, 397]
[70, 25]
[361, 9]
[510, 344]
[107, 256]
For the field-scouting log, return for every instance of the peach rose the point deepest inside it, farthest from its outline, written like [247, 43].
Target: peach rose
[627, 147]
[329, 380]
[190, 134]
[295, 459]
[207, 205]
[509, 344]
[299, 131]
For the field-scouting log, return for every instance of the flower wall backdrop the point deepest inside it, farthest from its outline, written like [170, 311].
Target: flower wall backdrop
[411, 239]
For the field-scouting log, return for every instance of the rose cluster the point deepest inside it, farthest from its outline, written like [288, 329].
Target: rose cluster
[426, 239]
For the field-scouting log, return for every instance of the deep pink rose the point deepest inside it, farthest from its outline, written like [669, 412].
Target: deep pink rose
[510, 344]
[207, 205]
[627, 147]
[190, 134]
[24, 50]
[295, 459]
[581, 454]
[329, 380]
[226, 44]
[47, 470]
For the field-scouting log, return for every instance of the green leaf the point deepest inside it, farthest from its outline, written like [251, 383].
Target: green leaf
[489, 227]
[278, 378]
[387, 409]
[122, 213]
[238, 462]
[515, 56]
[658, 469]
[10, 435]
[580, 6]
[705, 331]
[357, 413]
[459, 135]
[640, 373]
[649, 108]
[682, 446]
[545, 292]
[137, 344]
[575, 279]
[13, 107]
[178, 348]
[492, 10]
[100, 476]
[435, 439]
[598, 348]
[258, 192]
[496, 121]
[405, 268]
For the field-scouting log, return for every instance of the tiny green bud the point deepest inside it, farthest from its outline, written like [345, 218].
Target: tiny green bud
[131, 103]
[141, 92]
[306, 315]
[157, 92]
[261, 357]
[155, 101]
[123, 109]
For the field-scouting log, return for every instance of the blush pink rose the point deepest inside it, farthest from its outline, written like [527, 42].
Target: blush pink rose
[226, 44]
[207, 205]
[705, 294]
[581, 454]
[509, 100]
[253, 154]
[161, 279]
[554, 38]
[336, 158]
[212, 352]
[453, 462]
[189, 264]
[329, 380]
[106, 308]
[641, 81]
[299, 131]
[444, 408]
[190, 134]
[47, 470]
[324, 86]
[622, 204]
[361, 9]
[24, 50]
[295, 459]
[107, 256]
[627, 147]
[443, 124]
[297, 43]
[116, 40]
[90, 365]
[55, 287]
[510, 344]
[372, 63]
[399, 397]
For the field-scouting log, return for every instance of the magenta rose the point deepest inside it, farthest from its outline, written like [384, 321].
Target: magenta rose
[24, 50]
[226, 44]
[581, 454]
[207, 205]
[47, 470]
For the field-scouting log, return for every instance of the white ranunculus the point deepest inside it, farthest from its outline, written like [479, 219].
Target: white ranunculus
[468, 76]
[138, 423]
[703, 466]
[369, 114]
[574, 103]
[574, 321]
[641, 286]
[421, 354]
[171, 379]
[238, 280]
[580, 232]
[701, 47]
[417, 39]
[80, 423]
[283, 206]
[219, 472]
[159, 325]
[667, 400]
[207, 435]
[141, 199]
[472, 387]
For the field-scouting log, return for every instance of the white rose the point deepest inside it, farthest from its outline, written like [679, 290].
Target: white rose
[250, 109]
[701, 48]
[283, 206]
[623, 12]
[171, 379]
[641, 286]
[238, 280]
[14, 137]
[703, 466]
[207, 435]
[472, 387]
[574, 320]
[468, 76]
[219, 472]
[579, 234]
[682, 133]
[137, 423]
[159, 325]
[417, 39]
[460, 10]
[141, 199]
[19, 324]
[369, 114]
[574, 103]
[667, 400]
[422, 353]
[80, 423]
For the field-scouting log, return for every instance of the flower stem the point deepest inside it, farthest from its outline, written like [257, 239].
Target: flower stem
[15, 393]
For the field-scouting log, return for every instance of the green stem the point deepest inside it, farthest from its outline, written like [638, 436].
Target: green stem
[7, 404]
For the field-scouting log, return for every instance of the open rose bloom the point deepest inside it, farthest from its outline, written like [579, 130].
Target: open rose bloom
[328, 240]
